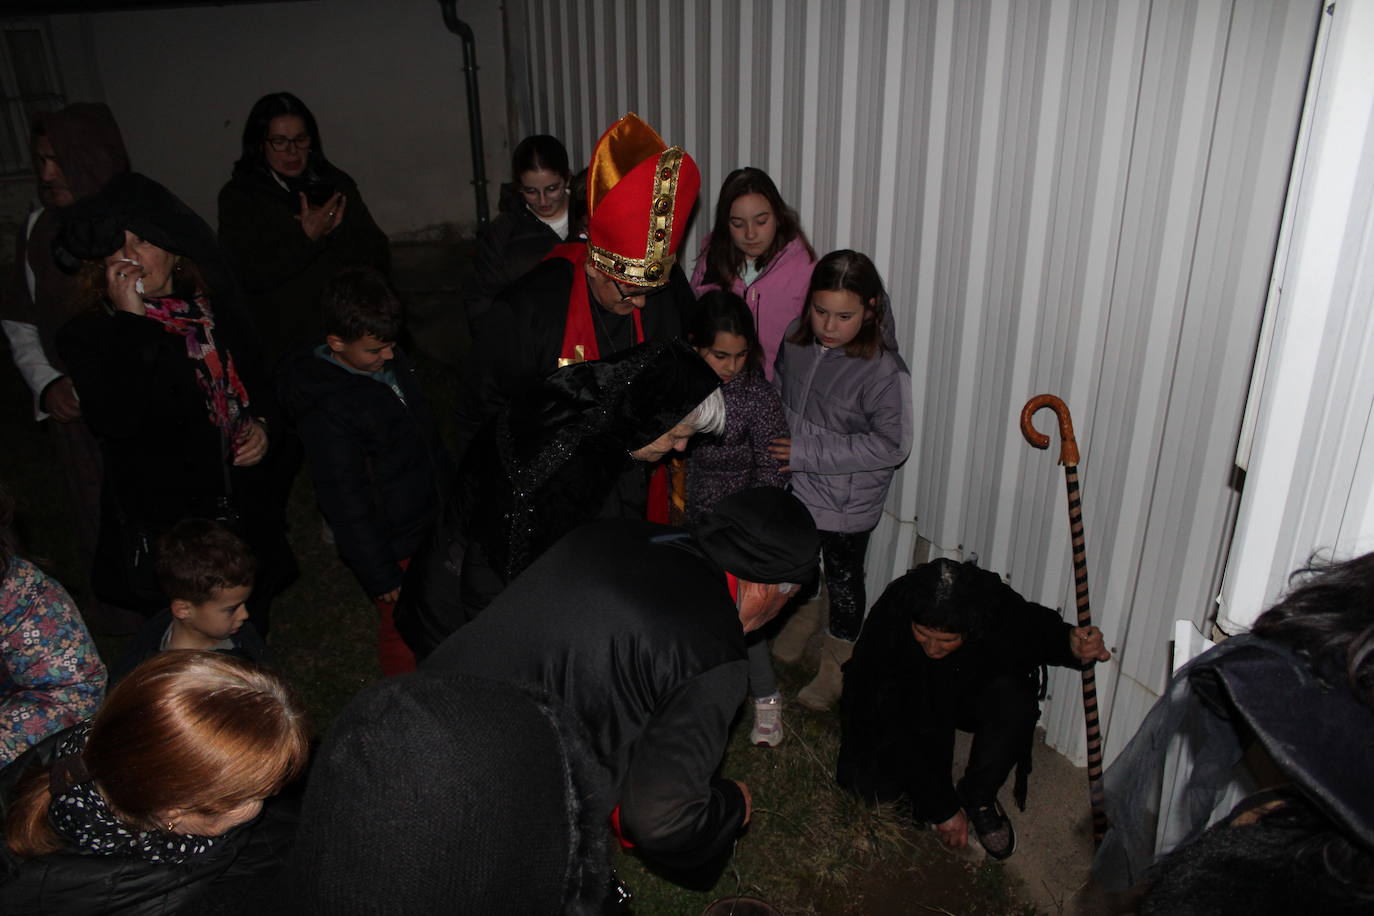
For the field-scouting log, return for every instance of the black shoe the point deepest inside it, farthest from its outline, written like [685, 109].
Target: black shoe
[994, 829]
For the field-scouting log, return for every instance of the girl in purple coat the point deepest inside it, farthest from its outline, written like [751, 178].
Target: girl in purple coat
[847, 397]
[739, 458]
[757, 251]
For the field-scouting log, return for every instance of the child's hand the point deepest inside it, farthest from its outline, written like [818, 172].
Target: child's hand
[781, 451]
[249, 450]
[390, 597]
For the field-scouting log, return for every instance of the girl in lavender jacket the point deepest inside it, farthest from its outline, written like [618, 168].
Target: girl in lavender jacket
[723, 333]
[847, 396]
[756, 250]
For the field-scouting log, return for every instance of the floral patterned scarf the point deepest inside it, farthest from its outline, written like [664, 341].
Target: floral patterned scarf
[226, 400]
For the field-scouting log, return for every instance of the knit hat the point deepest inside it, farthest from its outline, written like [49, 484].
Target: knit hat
[640, 192]
[763, 535]
[443, 793]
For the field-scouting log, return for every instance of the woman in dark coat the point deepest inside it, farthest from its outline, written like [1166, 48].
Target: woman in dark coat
[543, 204]
[155, 806]
[577, 447]
[171, 382]
[290, 220]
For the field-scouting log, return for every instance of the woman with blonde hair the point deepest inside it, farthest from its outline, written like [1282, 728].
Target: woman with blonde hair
[148, 805]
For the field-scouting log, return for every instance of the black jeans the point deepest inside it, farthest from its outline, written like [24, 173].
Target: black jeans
[842, 558]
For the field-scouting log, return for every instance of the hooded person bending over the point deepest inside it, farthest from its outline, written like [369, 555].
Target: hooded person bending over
[639, 629]
[579, 446]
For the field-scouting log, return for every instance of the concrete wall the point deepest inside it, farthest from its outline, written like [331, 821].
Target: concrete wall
[384, 80]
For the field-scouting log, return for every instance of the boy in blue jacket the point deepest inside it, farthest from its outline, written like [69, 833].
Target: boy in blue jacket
[370, 441]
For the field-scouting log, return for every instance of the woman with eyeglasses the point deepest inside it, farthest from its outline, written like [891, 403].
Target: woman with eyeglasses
[543, 204]
[290, 219]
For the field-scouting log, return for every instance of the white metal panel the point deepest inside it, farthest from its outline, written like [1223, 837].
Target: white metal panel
[1311, 466]
[1067, 195]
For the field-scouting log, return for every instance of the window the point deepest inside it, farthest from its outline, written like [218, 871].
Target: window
[29, 83]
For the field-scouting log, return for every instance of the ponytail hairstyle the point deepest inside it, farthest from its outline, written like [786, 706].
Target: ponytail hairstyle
[848, 271]
[721, 310]
[723, 259]
[197, 731]
[539, 152]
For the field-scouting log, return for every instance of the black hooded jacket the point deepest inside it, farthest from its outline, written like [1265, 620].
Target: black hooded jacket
[379, 467]
[164, 456]
[556, 458]
[631, 626]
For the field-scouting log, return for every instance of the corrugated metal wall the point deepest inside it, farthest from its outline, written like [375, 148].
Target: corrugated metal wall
[1311, 468]
[1065, 196]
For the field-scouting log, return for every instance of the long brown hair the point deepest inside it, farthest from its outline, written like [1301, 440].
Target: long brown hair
[723, 259]
[848, 271]
[198, 731]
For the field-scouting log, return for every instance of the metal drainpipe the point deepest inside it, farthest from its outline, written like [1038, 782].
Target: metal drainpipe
[479, 162]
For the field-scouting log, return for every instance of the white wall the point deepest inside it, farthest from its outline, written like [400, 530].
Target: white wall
[384, 80]
[1311, 467]
[1068, 196]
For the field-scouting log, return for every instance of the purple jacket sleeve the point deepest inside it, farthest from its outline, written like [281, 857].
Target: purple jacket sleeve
[885, 443]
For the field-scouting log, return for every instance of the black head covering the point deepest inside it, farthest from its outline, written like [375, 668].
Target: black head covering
[763, 535]
[93, 228]
[444, 793]
[631, 397]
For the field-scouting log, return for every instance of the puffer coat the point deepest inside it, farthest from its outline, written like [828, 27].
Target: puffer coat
[851, 427]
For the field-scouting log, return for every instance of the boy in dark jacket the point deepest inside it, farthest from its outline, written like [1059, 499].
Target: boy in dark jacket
[370, 440]
[206, 572]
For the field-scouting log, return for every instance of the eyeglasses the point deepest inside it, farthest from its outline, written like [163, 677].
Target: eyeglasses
[281, 143]
[635, 291]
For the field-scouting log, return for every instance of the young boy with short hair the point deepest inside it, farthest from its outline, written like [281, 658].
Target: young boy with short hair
[206, 573]
[379, 468]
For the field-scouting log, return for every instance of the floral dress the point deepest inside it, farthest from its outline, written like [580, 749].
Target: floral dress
[50, 674]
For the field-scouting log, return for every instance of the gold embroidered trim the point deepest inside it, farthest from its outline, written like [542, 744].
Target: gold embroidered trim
[658, 260]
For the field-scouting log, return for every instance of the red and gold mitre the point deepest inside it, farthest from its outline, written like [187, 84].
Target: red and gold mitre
[640, 192]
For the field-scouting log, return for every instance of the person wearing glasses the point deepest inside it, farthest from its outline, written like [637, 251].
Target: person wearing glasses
[589, 299]
[290, 220]
[542, 205]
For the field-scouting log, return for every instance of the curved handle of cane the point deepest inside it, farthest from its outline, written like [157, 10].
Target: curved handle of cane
[1068, 446]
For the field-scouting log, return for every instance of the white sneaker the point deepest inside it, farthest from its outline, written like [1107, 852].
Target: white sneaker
[767, 731]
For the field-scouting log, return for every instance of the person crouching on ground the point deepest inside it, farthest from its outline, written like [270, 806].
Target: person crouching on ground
[206, 572]
[949, 645]
[379, 467]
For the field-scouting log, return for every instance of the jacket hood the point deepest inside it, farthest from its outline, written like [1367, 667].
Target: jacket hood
[630, 398]
[88, 145]
[305, 379]
[93, 228]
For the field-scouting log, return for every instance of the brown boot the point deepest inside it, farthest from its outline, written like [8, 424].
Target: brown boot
[790, 645]
[824, 691]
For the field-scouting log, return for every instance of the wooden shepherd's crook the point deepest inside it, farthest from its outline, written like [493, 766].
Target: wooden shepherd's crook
[1068, 456]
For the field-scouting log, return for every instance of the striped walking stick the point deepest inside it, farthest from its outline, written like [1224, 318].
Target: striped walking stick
[1068, 457]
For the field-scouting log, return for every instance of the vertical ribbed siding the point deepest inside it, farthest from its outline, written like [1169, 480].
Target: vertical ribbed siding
[1067, 196]
[1311, 466]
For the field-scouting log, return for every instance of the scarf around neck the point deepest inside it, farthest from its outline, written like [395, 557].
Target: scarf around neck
[81, 817]
[226, 400]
